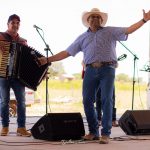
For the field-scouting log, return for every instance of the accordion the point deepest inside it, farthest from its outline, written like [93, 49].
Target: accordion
[25, 66]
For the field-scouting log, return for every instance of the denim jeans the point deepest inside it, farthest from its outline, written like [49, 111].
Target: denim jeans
[19, 91]
[103, 78]
[98, 105]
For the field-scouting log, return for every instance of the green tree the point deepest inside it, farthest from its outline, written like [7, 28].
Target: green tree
[123, 77]
[56, 69]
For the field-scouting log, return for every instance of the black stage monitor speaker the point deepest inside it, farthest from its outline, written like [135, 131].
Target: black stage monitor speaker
[135, 122]
[59, 126]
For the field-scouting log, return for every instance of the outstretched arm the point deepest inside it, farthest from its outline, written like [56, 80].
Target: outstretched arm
[134, 27]
[59, 56]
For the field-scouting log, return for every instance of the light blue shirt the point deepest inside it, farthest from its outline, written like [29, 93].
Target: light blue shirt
[98, 46]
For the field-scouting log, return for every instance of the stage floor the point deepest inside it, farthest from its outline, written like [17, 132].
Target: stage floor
[119, 140]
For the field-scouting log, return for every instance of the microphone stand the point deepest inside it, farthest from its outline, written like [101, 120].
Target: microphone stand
[133, 82]
[47, 49]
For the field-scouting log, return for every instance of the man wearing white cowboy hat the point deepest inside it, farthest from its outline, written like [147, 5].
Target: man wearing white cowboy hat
[98, 45]
[97, 12]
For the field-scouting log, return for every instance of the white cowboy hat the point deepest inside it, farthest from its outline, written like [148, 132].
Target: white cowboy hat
[96, 11]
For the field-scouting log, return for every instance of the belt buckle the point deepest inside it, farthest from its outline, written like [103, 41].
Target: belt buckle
[96, 65]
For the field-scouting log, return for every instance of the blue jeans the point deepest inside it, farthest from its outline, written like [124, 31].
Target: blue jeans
[19, 91]
[102, 78]
[98, 105]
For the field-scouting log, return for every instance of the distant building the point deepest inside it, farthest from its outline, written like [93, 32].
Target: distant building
[69, 77]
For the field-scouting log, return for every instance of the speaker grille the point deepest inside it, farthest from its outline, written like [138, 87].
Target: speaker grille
[135, 122]
[59, 126]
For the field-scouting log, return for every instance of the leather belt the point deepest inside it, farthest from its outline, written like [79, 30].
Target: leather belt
[100, 64]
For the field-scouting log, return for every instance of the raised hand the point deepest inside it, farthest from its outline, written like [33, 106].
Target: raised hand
[146, 15]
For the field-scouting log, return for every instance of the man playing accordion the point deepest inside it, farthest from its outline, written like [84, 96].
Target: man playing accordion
[11, 35]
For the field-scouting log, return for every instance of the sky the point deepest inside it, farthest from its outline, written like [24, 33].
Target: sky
[61, 23]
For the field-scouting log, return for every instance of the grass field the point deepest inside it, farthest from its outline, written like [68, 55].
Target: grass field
[66, 96]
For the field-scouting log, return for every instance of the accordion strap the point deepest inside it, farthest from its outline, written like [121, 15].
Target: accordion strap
[6, 36]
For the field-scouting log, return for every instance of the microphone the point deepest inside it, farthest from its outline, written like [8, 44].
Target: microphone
[122, 57]
[146, 68]
[35, 26]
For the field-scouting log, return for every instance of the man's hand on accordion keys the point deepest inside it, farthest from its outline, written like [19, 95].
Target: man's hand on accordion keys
[43, 61]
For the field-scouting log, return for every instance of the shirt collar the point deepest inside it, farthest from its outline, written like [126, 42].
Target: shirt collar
[89, 30]
[15, 38]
